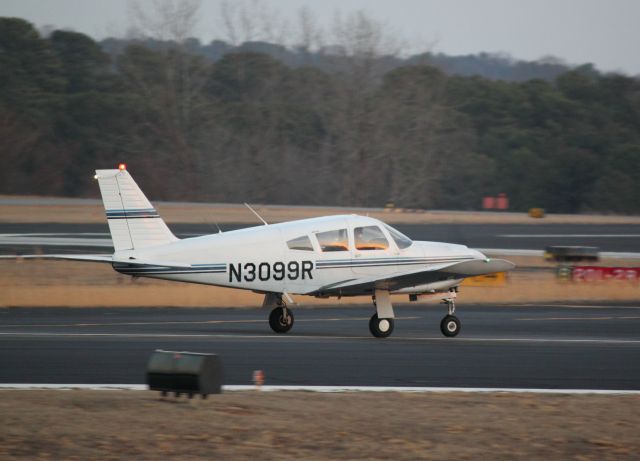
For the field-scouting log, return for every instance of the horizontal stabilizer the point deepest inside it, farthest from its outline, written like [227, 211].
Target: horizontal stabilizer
[84, 258]
[104, 259]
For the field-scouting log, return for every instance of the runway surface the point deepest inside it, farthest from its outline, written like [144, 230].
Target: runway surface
[541, 346]
[58, 238]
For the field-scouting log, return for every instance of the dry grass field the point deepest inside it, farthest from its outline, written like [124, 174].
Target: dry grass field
[45, 283]
[103, 425]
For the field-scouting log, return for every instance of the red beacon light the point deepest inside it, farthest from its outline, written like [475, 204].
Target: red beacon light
[122, 167]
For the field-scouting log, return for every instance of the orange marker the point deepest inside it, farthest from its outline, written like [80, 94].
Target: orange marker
[258, 379]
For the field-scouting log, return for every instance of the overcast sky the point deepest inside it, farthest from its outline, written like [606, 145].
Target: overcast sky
[603, 32]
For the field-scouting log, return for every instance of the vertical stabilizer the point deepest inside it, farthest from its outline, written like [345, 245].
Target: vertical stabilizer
[134, 223]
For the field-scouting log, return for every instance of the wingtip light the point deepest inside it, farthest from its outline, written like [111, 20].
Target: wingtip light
[122, 167]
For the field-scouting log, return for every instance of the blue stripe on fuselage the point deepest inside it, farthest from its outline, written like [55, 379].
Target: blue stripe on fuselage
[150, 269]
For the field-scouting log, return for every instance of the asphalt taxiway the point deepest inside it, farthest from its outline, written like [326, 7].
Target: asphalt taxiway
[531, 346]
[95, 238]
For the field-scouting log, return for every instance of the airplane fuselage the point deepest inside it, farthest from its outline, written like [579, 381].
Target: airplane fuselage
[298, 257]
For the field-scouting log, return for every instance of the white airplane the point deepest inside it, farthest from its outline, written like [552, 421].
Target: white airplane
[344, 255]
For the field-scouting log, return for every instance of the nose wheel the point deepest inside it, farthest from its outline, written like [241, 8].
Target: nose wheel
[450, 324]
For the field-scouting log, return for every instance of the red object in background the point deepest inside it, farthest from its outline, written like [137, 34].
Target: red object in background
[488, 203]
[502, 202]
[596, 274]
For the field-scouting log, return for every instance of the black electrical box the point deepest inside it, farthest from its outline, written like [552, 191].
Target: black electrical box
[184, 373]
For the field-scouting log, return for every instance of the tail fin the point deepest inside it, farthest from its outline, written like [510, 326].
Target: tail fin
[133, 221]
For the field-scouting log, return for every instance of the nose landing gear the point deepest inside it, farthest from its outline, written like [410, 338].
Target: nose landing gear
[381, 323]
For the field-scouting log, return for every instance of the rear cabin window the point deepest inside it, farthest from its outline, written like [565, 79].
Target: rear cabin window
[335, 240]
[370, 238]
[300, 243]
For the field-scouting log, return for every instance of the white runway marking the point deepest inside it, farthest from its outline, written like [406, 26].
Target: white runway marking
[236, 388]
[578, 318]
[524, 252]
[507, 252]
[57, 234]
[599, 236]
[234, 336]
[578, 306]
[203, 322]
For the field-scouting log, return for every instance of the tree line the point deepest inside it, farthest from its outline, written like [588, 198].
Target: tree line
[491, 66]
[249, 127]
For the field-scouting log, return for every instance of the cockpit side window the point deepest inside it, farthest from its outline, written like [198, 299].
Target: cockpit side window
[370, 238]
[300, 243]
[335, 240]
[401, 240]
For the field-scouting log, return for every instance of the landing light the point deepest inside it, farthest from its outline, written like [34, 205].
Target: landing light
[122, 167]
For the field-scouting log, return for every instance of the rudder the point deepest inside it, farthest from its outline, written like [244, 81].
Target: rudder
[134, 223]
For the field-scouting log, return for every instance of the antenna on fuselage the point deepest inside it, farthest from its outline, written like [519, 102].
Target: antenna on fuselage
[256, 213]
[208, 223]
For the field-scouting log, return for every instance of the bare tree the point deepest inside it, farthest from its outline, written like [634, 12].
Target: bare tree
[251, 21]
[166, 20]
[309, 33]
[170, 82]
[26, 154]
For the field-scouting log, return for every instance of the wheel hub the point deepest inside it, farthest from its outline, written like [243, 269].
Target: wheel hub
[284, 320]
[383, 325]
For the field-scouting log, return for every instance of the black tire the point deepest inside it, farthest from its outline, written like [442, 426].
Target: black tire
[450, 326]
[277, 320]
[380, 328]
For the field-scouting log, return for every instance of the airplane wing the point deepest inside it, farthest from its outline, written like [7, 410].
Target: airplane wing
[416, 277]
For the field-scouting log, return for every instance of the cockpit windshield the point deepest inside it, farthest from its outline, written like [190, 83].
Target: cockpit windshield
[401, 240]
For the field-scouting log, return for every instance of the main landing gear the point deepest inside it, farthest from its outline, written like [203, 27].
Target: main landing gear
[381, 323]
[281, 317]
[450, 325]
[380, 328]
